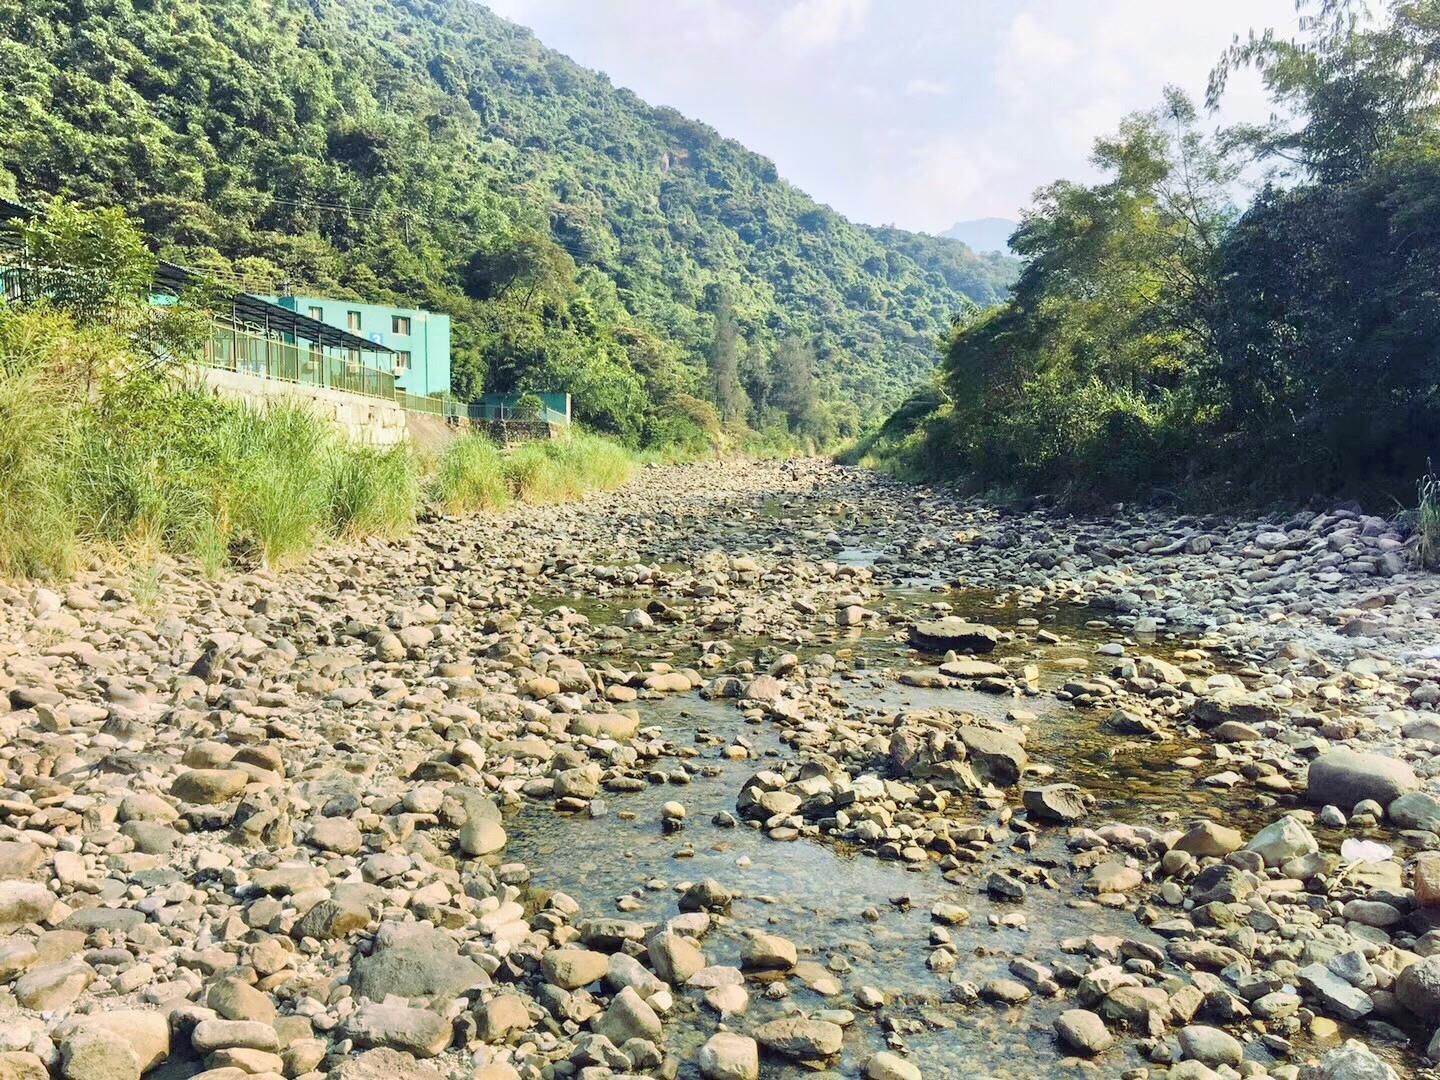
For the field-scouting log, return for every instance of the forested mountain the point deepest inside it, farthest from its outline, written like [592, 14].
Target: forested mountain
[431, 151]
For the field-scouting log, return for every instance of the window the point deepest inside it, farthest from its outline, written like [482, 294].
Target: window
[402, 362]
[317, 313]
[352, 320]
[400, 324]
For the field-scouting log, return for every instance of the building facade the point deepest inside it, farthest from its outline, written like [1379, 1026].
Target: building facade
[419, 341]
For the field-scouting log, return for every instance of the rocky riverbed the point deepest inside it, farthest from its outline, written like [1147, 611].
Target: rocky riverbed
[746, 770]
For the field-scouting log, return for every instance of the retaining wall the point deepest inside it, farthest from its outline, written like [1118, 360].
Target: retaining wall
[366, 420]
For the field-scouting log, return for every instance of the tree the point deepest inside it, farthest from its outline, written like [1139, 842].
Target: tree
[519, 266]
[1349, 91]
[724, 358]
[91, 263]
[794, 387]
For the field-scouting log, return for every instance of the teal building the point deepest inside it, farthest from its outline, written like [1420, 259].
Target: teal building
[419, 341]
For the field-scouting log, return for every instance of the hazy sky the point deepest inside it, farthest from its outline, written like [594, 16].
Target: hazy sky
[917, 112]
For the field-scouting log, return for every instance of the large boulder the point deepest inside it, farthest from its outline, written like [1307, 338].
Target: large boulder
[1416, 810]
[997, 759]
[415, 961]
[727, 1056]
[1353, 1061]
[399, 1027]
[954, 633]
[23, 902]
[1344, 778]
[1057, 803]
[1418, 988]
[802, 1039]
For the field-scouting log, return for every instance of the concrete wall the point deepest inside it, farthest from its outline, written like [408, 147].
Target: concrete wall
[366, 420]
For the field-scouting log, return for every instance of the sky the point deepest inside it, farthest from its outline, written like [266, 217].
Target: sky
[917, 113]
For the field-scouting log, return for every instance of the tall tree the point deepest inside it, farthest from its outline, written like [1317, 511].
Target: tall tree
[724, 357]
[794, 389]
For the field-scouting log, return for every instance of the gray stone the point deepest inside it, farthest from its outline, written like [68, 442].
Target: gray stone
[1282, 840]
[1418, 988]
[952, 632]
[802, 1039]
[415, 961]
[415, 1031]
[1083, 1031]
[1344, 777]
[1336, 996]
[728, 1056]
[1210, 1045]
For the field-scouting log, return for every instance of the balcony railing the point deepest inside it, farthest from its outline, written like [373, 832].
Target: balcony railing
[270, 358]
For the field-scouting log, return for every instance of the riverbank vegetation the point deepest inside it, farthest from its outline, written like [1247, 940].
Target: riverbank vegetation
[1163, 340]
[100, 452]
[110, 442]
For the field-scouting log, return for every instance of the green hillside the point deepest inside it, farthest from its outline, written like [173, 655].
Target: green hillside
[435, 153]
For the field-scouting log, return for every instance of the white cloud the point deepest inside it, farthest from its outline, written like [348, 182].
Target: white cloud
[816, 24]
[944, 175]
[1028, 45]
[921, 87]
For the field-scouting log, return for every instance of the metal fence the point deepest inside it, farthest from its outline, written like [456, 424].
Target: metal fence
[231, 349]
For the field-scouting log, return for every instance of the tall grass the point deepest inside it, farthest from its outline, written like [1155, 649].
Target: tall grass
[145, 462]
[562, 469]
[374, 492]
[1427, 521]
[471, 476]
[474, 474]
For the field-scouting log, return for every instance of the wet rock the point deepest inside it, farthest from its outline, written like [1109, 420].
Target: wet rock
[1083, 1031]
[953, 633]
[674, 957]
[1058, 803]
[767, 952]
[801, 1039]
[888, 1066]
[997, 759]
[728, 1056]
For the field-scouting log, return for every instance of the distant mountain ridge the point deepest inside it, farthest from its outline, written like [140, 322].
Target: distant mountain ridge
[983, 234]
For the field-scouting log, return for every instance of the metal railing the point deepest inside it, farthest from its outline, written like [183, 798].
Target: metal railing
[230, 349]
